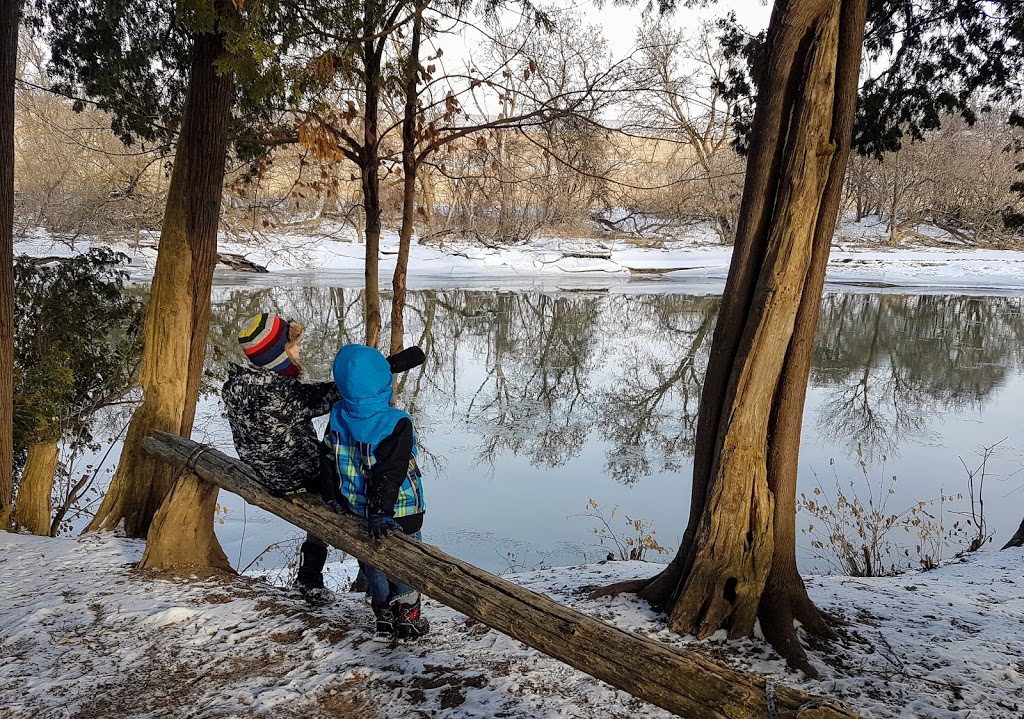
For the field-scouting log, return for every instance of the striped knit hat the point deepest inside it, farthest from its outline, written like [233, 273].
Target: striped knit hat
[264, 344]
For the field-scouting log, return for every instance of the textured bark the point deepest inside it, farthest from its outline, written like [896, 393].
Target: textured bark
[686, 683]
[177, 318]
[10, 15]
[763, 172]
[398, 284]
[785, 597]
[176, 540]
[369, 166]
[427, 187]
[736, 561]
[735, 540]
[36, 487]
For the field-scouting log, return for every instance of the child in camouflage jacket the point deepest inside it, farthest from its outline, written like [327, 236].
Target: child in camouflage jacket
[270, 412]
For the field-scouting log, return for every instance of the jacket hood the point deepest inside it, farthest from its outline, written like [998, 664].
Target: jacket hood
[363, 377]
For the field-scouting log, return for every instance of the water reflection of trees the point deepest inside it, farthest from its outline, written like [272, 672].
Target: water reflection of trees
[649, 413]
[536, 374]
[540, 353]
[891, 363]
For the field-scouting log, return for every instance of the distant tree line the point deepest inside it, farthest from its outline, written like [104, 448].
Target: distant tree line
[655, 155]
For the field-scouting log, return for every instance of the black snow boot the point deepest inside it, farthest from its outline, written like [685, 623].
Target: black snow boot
[386, 622]
[310, 580]
[411, 623]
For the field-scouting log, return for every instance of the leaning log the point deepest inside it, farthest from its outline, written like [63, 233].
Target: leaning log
[682, 681]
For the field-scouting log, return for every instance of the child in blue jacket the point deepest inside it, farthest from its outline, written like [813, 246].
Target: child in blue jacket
[374, 448]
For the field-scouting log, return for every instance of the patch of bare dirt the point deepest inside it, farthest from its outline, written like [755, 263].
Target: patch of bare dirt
[289, 637]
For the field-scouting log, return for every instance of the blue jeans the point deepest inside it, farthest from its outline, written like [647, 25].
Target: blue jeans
[382, 587]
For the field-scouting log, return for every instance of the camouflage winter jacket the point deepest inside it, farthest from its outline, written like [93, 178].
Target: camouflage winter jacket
[271, 423]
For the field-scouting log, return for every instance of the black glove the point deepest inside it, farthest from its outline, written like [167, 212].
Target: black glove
[406, 359]
[335, 506]
[379, 526]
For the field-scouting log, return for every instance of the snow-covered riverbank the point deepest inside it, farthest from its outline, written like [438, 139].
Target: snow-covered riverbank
[82, 636]
[860, 258]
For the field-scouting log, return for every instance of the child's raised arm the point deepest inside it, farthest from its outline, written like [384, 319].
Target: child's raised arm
[315, 398]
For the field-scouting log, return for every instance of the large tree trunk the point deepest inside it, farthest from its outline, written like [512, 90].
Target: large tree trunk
[684, 682]
[736, 561]
[409, 167]
[178, 315]
[10, 15]
[36, 488]
[370, 175]
[182, 535]
[784, 598]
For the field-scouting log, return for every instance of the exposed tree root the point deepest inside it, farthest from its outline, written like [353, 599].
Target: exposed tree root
[632, 586]
[778, 611]
[783, 602]
[663, 589]
[777, 627]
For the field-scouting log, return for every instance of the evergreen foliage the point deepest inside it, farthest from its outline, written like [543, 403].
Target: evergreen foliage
[129, 57]
[76, 343]
[132, 58]
[944, 57]
[935, 58]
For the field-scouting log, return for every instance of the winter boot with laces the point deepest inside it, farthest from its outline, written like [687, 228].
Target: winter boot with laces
[386, 622]
[411, 623]
[310, 580]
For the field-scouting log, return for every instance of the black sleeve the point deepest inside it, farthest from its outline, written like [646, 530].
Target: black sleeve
[390, 469]
[328, 486]
[316, 398]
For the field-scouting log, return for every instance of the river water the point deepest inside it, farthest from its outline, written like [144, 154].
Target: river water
[533, 403]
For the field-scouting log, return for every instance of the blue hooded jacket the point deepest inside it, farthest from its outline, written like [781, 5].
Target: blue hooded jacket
[360, 421]
[363, 377]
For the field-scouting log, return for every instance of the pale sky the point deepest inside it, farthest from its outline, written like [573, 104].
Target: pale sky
[620, 23]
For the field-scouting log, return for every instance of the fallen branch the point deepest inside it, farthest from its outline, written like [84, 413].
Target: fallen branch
[239, 262]
[684, 682]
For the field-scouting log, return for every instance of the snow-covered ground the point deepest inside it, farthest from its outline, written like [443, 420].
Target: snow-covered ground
[82, 635]
[860, 257]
